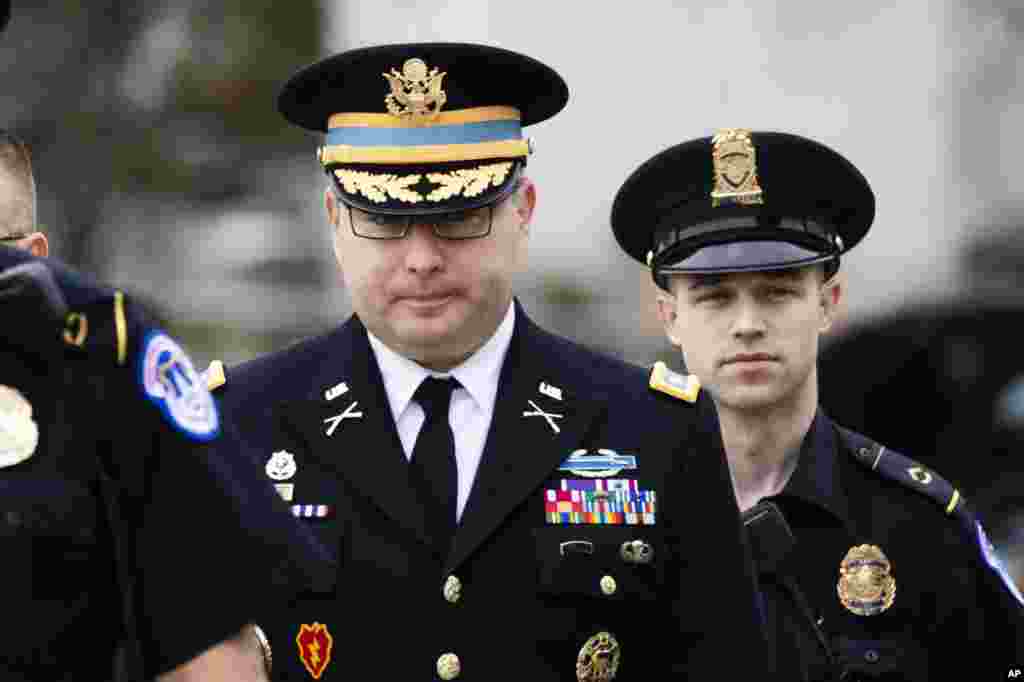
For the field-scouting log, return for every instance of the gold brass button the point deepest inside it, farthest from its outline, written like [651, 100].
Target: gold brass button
[448, 666]
[608, 585]
[452, 589]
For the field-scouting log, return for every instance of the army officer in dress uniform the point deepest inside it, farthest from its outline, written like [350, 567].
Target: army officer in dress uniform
[505, 504]
[872, 566]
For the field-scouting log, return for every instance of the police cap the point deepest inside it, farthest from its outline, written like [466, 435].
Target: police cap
[742, 201]
[423, 128]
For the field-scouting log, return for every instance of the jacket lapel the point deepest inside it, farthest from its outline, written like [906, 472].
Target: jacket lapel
[354, 434]
[521, 451]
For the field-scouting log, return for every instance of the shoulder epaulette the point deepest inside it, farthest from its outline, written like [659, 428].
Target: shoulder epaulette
[682, 386]
[214, 375]
[905, 471]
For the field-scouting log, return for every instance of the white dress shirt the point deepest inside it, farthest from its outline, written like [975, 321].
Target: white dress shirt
[472, 405]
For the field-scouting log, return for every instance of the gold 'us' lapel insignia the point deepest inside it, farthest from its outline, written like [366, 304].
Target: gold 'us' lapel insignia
[866, 584]
[599, 659]
[416, 92]
[735, 162]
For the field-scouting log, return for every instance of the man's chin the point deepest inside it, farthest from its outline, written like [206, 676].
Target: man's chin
[750, 398]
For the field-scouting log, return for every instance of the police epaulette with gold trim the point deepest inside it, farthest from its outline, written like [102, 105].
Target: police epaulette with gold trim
[905, 471]
[214, 375]
[682, 386]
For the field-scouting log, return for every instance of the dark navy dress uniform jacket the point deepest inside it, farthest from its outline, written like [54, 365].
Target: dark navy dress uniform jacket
[528, 602]
[951, 610]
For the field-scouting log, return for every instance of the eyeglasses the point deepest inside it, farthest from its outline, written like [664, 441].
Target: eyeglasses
[454, 225]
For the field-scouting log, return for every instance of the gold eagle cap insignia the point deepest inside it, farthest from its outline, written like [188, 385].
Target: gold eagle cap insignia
[415, 92]
[735, 162]
[866, 585]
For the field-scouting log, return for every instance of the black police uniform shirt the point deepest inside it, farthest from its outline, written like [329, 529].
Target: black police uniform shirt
[108, 486]
[951, 607]
[530, 578]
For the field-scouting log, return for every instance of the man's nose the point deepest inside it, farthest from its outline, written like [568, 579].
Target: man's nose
[750, 321]
[423, 250]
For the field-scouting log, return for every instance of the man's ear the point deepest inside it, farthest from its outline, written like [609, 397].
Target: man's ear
[525, 202]
[668, 314]
[332, 206]
[36, 243]
[832, 297]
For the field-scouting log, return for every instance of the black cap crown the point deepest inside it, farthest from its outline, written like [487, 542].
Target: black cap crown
[425, 127]
[742, 201]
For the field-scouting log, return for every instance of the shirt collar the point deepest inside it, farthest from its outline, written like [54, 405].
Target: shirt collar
[478, 373]
[816, 478]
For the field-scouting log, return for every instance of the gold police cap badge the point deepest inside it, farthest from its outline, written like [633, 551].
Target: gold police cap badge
[416, 92]
[599, 659]
[735, 161]
[19, 434]
[866, 585]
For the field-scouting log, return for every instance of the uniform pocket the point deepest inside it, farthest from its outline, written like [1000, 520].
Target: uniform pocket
[604, 562]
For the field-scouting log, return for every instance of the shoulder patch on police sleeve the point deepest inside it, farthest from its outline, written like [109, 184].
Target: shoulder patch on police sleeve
[214, 375]
[907, 472]
[682, 386]
[992, 558]
[172, 384]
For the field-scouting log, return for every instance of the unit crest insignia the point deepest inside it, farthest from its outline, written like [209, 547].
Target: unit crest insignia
[866, 586]
[281, 466]
[416, 92]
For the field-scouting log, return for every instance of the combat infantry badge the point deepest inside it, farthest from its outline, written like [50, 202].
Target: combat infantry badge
[19, 434]
[416, 92]
[735, 164]
[866, 586]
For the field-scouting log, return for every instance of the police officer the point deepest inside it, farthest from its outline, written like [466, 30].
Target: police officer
[506, 504]
[872, 566]
[117, 527]
[127, 551]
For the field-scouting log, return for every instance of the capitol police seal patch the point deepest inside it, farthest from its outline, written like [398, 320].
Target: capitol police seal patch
[175, 387]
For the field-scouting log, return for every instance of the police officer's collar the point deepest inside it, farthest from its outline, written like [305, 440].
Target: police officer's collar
[816, 478]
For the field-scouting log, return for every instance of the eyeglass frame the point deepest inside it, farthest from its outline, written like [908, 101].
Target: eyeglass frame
[421, 219]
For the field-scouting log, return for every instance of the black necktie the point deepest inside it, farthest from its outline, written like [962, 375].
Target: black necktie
[433, 458]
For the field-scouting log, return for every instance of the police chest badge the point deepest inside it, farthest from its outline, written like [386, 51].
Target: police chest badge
[598, 660]
[19, 434]
[735, 164]
[866, 586]
[172, 384]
